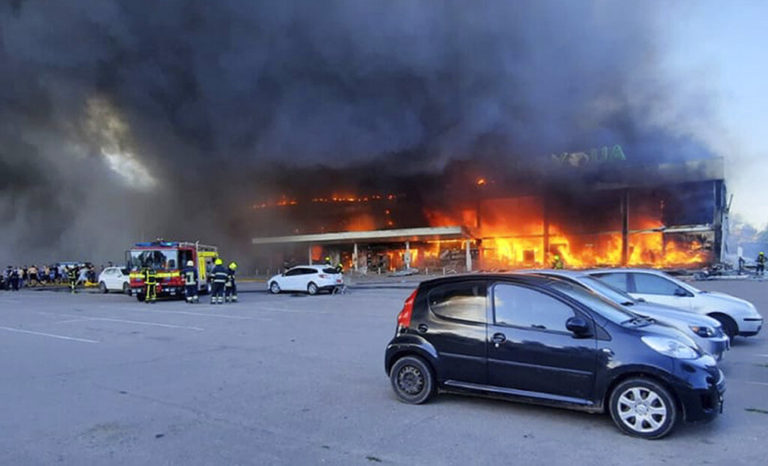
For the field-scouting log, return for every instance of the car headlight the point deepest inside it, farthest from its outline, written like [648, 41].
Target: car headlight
[670, 347]
[703, 331]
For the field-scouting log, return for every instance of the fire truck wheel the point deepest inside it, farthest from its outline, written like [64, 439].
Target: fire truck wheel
[103, 287]
[140, 297]
[312, 288]
[274, 288]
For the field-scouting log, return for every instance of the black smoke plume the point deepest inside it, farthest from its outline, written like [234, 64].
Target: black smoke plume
[135, 119]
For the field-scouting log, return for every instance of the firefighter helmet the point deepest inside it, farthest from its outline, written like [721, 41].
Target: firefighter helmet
[233, 265]
[218, 261]
[190, 264]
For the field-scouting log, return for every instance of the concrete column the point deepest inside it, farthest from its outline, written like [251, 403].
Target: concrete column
[407, 255]
[468, 256]
[545, 214]
[625, 227]
[354, 256]
[309, 255]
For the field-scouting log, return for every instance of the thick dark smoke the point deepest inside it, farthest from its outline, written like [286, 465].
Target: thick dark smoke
[128, 120]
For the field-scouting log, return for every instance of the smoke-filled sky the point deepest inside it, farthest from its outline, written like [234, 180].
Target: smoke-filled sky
[136, 119]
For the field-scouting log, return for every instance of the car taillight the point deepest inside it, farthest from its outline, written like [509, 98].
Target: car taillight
[404, 318]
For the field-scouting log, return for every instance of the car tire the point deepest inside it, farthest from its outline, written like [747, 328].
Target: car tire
[127, 289]
[643, 408]
[412, 380]
[312, 288]
[274, 288]
[103, 288]
[729, 325]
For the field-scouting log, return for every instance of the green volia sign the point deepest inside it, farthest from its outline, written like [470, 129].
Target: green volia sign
[595, 155]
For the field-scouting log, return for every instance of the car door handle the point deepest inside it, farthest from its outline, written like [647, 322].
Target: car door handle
[498, 338]
[423, 328]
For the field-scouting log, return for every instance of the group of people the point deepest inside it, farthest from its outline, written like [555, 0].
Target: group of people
[222, 280]
[14, 278]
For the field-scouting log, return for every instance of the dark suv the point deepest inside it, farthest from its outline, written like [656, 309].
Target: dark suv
[543, 340]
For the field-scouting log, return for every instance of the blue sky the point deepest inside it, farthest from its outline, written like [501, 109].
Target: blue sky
[720, 48]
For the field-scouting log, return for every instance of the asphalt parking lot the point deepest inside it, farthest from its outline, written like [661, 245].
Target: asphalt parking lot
[102, 379]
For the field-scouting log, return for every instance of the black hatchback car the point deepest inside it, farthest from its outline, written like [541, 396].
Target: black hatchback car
[542, 340]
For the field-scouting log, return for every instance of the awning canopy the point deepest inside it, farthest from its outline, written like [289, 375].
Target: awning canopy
[373, 236]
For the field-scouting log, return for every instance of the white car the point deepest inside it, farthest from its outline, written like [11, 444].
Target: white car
[307, 278]
[114, 279]
[737, 316]
[705, 331]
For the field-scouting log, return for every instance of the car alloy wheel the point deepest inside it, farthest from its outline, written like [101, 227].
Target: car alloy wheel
[312, 288]
[103, 287]
[274, 288]
[643, 408]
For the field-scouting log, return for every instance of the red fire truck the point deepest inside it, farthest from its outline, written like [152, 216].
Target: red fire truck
[168, 258]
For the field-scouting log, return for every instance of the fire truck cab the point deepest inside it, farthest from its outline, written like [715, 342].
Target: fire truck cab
[168, 258]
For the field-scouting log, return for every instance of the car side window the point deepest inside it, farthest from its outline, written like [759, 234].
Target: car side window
[293, 272]
[646, 283]
[459, 301]
[309, 271]
[523, 307]
[616, 280]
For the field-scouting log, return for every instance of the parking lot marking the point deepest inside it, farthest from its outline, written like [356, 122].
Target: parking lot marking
[758, 383]
[222, 316]
[140, 322]
[51, 335]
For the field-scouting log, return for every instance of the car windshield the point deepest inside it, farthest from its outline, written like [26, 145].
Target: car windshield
[607, 291]
[602, 306]
[158, 259]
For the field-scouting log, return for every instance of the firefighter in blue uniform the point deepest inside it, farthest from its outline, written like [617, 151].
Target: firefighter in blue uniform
[219, 275]
[230, 288]
[150, 283]
[189, 273]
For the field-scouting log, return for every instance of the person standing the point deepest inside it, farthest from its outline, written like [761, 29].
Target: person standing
[150, 284]
[219, 274]
[32, 275]
[230, 292]
[72, 276]
[761, 263]
[14, 278]
[189, 273]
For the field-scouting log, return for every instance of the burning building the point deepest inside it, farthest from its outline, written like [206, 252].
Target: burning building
[590, 209]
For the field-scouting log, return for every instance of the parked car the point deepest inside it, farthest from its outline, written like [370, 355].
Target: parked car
[308, 278]
[115, 279]
[737, 316]
[542, 340]
[705, 331]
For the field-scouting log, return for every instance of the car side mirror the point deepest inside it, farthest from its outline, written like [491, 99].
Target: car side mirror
[578, 326]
